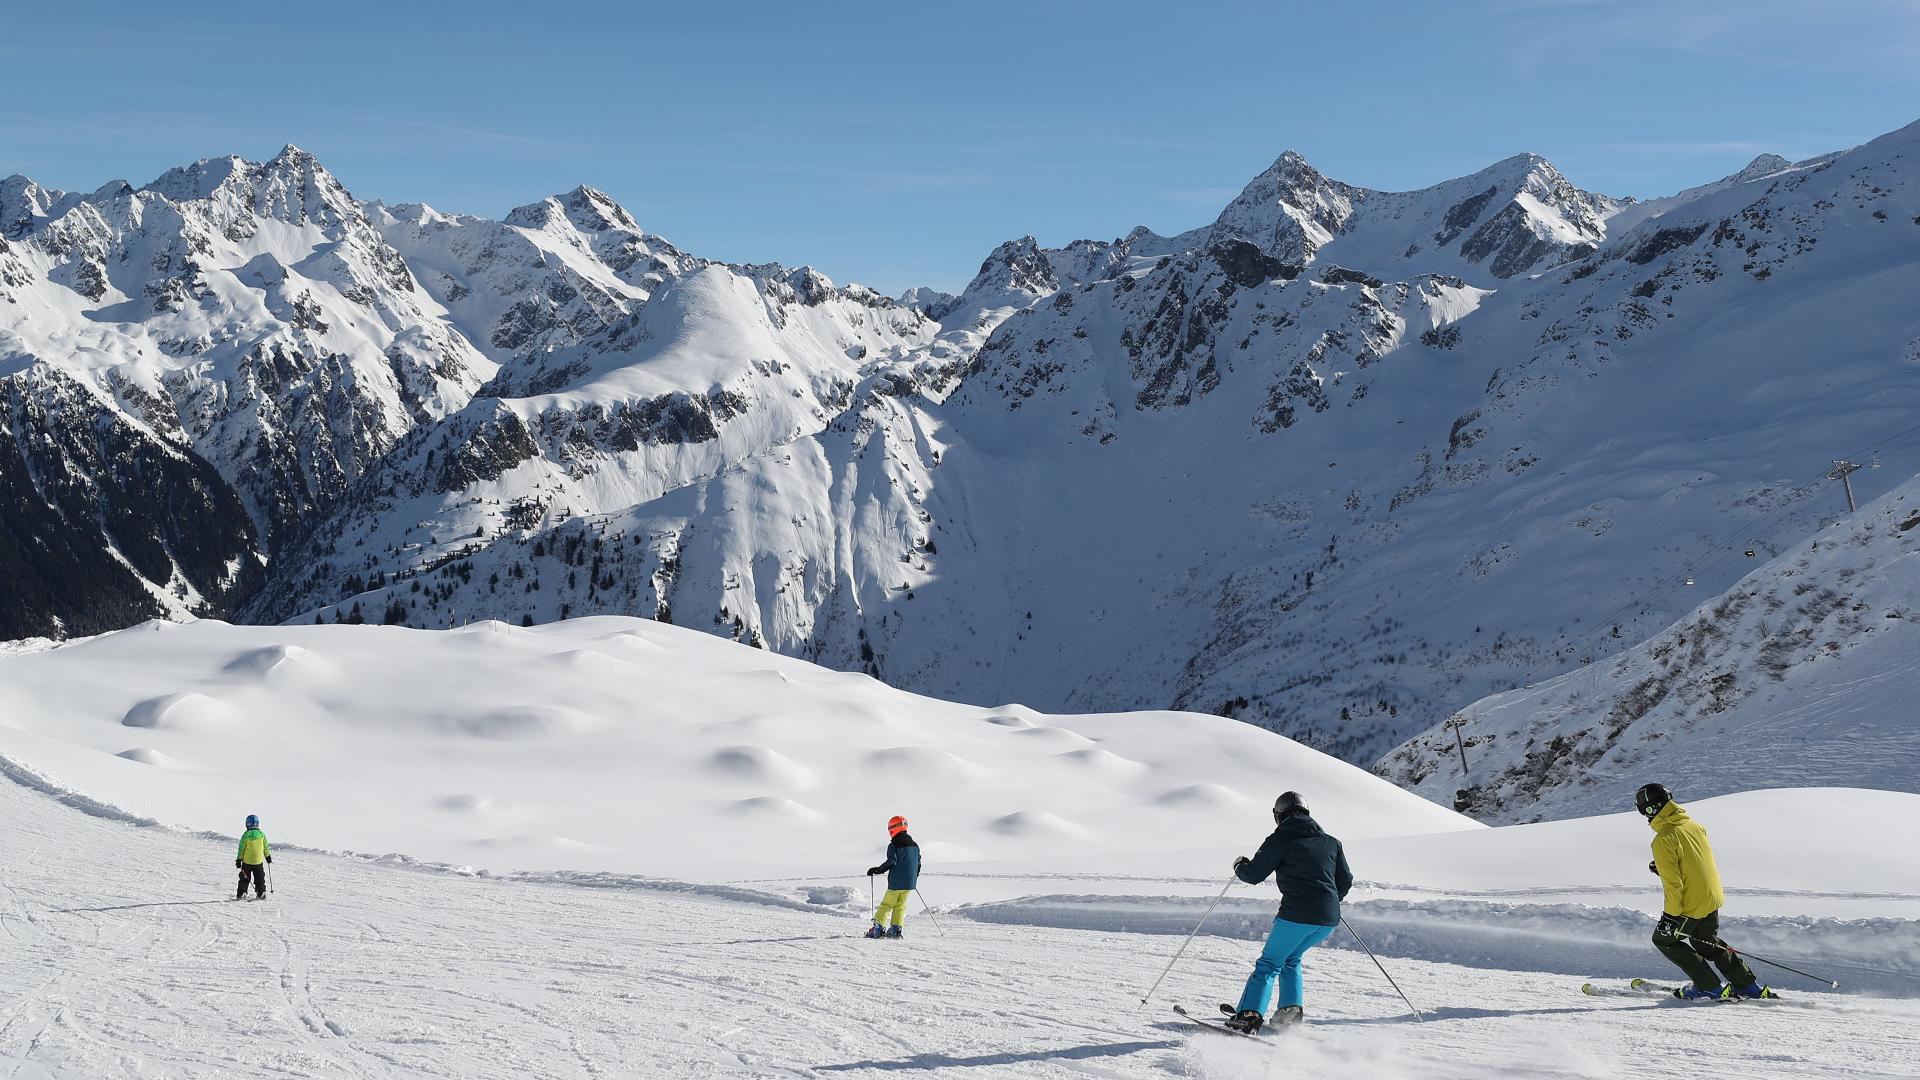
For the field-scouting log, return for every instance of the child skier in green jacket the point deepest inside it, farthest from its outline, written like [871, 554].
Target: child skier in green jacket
[251, 860]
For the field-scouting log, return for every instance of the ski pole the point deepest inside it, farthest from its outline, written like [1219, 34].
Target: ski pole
[269, 871]
[928, 908]
[1189, 941]
[1833, 984]
[1383, 969]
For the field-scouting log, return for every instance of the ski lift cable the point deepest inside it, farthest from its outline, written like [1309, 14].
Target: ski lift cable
[1724, 546]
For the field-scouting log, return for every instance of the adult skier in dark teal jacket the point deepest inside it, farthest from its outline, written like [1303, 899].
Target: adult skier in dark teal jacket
[1311, 869]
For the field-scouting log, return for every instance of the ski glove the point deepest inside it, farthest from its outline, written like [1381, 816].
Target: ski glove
[1671, 926]
[1239, 863]
[238, 865]
[1653, 868]
[269, 858]
[876, 870]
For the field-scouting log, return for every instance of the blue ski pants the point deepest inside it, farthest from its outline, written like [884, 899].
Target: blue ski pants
[1286, 944]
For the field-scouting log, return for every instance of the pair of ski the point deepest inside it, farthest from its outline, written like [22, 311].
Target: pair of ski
[1643, 988]
[1216, 1025]
[1634, 988]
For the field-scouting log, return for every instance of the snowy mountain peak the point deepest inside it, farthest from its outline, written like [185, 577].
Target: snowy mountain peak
[1510, 218]
[594, 210]
[1764, 165]
[586, 209]
[1520, 164]
[1015, 268]
[1294, 488]
[1288, 211]
[22, 203]
[929, 301]
[291, 187]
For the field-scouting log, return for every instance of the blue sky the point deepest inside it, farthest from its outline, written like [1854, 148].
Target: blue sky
[895, 144]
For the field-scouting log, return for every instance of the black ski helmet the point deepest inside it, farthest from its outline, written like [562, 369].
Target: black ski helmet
[1288, 804]
[1651, 798]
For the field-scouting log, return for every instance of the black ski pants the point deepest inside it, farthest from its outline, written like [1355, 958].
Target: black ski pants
[258, 873]
[1692, 943]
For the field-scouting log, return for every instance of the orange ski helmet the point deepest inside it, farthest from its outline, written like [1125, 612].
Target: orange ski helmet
[896, 825]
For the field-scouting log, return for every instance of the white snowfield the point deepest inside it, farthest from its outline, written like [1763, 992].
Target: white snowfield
[1801, 674]
[624, 849]
[625, 745]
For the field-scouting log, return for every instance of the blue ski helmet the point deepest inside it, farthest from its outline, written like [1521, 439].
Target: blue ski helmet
[253, 821]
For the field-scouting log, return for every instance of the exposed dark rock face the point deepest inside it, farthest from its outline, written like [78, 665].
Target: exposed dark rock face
[100, 515]
[1461, 216]
[1246, 265]
[1288, 445]
[1017, 266]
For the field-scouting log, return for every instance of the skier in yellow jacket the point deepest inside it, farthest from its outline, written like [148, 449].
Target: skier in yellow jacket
[251, 860]
[1689, 930]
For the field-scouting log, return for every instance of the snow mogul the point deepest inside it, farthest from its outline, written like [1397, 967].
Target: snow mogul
[903, 877]
[1689, 929]
[252, 859]
[1311, 869]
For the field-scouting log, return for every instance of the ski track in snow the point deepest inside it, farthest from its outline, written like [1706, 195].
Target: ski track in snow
[124, 958]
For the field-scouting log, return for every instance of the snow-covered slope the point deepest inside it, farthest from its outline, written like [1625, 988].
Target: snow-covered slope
[1304, 493]
[229, 314]
[1625, 217]
[646, 744]
[1802, 674]
[602, 744]
[360, 970]
[1514, 217]
[255, 318]
[1334, 464]
[1365, 498]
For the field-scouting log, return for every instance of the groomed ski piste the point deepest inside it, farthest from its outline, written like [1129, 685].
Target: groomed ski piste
[610, 848]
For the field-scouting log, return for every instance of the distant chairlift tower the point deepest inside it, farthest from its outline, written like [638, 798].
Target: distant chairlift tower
[1842, 469]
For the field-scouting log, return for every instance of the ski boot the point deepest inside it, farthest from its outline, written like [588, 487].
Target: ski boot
[1246, 1021]
[1752, 992]
[1288, 1016]
[1694, 993]
[894, 933]
[876, 931]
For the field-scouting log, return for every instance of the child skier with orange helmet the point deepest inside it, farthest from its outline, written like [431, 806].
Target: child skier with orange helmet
[903, 876]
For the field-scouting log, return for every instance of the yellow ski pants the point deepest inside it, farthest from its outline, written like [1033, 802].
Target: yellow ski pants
[896, 902]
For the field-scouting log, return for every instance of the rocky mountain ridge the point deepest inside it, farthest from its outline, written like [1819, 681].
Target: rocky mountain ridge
[1334, 463]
